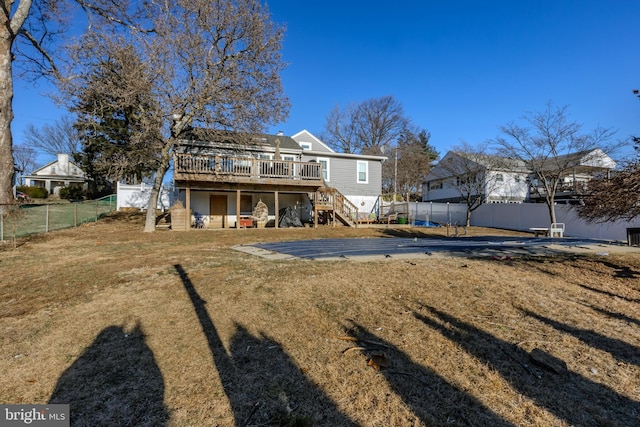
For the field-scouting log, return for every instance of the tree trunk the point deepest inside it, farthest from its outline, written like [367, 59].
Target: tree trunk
[550, 199]
[9, 27]
[150, 222]
[552, 212]
[468, 222]
[6, 116]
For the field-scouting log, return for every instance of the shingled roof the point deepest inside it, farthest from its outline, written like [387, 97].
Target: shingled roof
[202, 136]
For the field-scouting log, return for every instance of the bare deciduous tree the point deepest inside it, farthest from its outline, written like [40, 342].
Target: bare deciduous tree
[546, 143]
[210, 63]
[380, 122]
[25, 160]
[474, 174]
[13, 18]
[59, 137]
[368, 128]
[340, 131]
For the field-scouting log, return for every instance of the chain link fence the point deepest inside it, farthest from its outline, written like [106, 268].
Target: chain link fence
[23, 220]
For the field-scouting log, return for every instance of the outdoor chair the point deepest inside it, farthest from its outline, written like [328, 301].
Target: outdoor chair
[557, 228]
[199, 220]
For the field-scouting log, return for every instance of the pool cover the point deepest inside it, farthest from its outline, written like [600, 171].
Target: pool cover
[389, 247]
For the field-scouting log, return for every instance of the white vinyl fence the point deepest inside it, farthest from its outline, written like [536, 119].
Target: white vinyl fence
[520, 217]
[525, 215]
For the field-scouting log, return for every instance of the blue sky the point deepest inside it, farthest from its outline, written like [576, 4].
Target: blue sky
[460, 69]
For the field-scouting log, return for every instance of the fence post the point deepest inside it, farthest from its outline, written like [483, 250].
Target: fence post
[96, 212]
[46, 220]
[1, 224]
[75, 214]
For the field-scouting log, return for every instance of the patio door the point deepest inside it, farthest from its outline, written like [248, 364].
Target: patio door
[218, 209]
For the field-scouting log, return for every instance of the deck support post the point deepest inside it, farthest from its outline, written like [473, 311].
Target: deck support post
[187, 216]
[238, 209]
[277, 205]
[315, 210]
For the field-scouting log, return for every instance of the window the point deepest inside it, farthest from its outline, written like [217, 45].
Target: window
[305, 145]
[363, 172]
[499, 177]
[324, 165]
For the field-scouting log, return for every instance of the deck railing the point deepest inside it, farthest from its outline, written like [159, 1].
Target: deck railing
[563, 187]
[247, 167]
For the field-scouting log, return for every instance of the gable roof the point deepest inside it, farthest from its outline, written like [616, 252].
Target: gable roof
[315, 139]
[461, 162]
[332, 153]
[37, 172]
[493, 162]
[593, 158]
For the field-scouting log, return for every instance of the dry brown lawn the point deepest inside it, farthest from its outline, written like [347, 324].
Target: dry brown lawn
[168, 328]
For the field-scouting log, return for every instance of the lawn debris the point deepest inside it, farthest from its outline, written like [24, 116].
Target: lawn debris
[378, 361]
[549, 362]
[350, 349]
[350, 338]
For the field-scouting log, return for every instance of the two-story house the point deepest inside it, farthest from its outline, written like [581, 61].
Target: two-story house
[223, 176]
[57, 174]
[357, 176]
[505, 180]
[459, 174]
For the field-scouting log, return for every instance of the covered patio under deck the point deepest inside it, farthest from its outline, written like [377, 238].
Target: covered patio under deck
[222, 177]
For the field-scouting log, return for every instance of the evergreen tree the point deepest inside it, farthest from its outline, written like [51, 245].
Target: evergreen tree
[117, 144]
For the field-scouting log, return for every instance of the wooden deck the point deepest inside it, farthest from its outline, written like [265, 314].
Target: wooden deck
[240, 171]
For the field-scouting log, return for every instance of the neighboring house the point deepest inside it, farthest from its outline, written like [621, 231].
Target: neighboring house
[498, 180]
[511, 181]
[57, 174]
[223, 176]
[357, 176]
[579, 168]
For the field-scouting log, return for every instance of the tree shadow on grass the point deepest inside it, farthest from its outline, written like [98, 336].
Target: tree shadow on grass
[622, 271]
[613, 315]
[431, 398]
[609, 294]
[618, 271]
[115, 382]
[263, 385]
[573, 398]
[620, 350]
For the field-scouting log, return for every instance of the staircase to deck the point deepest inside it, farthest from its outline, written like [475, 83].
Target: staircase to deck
[331, 201]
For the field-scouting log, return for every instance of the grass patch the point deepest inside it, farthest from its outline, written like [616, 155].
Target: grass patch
[167, 328]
